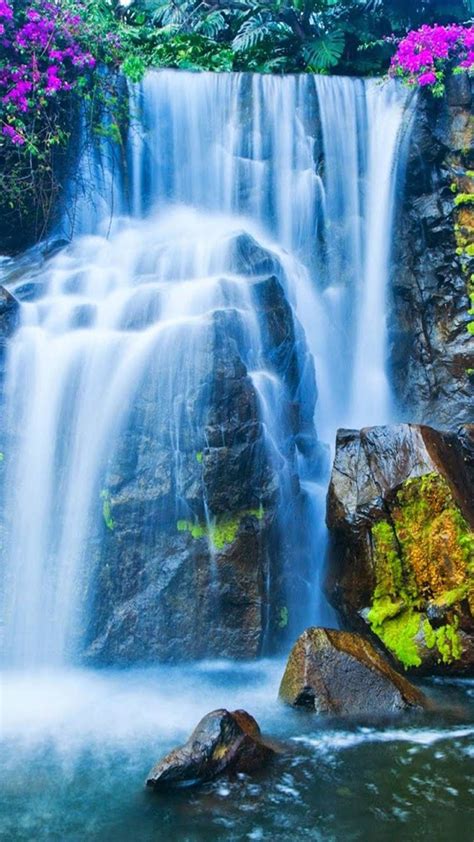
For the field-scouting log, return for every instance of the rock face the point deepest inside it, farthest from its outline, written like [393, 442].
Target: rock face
[191, 536]
[432, 345]
[340, 672]
[400, 512]
[222, 742]
[9, 317]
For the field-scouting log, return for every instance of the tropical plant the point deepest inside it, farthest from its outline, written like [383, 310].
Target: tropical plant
[425, 54]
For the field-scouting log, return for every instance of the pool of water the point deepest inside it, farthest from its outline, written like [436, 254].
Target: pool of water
[76, 748]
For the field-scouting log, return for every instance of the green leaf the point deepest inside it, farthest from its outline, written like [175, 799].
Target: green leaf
[258, 28]
[211, 25]
[326, 50]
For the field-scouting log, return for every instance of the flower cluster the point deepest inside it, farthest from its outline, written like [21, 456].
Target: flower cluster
[424, 56]
[46, 49]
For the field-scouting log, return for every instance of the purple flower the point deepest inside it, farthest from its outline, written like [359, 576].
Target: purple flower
[423, 55]
[6, 10]
[428, 78]
[10, 132]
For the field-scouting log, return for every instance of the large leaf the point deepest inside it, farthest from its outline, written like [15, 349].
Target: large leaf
[325, 51]
[211, 24]
[258, 28]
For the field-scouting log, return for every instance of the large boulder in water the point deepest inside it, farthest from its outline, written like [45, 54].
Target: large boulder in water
[339, 672]
[222, 742]
[400, 513]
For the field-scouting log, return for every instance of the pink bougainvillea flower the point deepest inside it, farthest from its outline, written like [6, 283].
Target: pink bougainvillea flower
[425, 54]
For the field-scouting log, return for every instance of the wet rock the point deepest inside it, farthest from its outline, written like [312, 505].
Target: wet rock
[400, 513]
[190, 561]
[223, 742]
[339, 672]
[9, 313]
[431, 347]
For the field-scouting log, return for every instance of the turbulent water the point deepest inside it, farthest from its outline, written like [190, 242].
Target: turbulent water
[114, 337]
[77, 747]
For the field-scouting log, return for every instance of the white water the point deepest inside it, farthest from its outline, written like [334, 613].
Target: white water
[133, 300]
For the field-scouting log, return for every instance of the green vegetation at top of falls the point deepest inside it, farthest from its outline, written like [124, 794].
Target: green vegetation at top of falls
[220, 531]
[423, 562]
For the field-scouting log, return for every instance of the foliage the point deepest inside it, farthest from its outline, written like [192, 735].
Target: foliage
[53, 55]
[423, 556]
[425, 55]
[50, 53]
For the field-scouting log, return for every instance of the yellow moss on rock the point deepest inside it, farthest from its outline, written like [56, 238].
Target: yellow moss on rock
[423, 555]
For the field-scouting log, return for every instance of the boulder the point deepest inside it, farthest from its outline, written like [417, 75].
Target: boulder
[340, 672]
[222, 742]
[400, 514]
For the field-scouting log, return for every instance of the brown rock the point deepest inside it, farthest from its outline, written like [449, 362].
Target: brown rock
[340, 672]
[222, 742]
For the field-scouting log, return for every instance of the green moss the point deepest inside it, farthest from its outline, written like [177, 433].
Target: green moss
[449, 598]
[283, 618]
[470, 328]
[429, 634]
[2, 457]
[464, 199]
[196, 530]
[106, 509]
[223, 530]
[424, 554]
[398, 634]
[199, 456]
[448, 643]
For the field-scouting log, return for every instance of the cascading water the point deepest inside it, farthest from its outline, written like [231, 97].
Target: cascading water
[124, 317]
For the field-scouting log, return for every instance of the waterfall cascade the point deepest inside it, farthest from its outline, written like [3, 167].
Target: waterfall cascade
[303, 172]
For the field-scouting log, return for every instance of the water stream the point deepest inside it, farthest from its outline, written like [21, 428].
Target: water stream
[306, 167]
[108, 368]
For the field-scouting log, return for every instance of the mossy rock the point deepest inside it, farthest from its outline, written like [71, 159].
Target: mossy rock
[424, 564]
[402, 550]
[338, 672]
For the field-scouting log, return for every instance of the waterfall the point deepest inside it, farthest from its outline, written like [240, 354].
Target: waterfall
[118, 332]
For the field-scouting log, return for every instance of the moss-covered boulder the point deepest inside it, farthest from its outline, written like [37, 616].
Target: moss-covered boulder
[222, 742]
[400, 511]
[341, 672]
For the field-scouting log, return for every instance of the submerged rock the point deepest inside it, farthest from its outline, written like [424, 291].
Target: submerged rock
[222, 742]
[400, 512]
[340, 672]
